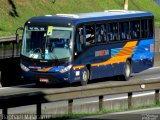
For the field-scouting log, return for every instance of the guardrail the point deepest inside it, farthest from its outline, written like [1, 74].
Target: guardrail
[9, 47]
[38, 97]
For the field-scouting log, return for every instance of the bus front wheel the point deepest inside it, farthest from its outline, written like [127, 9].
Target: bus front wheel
[85, 77]
[127, 71]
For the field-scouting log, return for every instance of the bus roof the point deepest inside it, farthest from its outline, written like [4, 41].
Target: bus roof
[73, 19]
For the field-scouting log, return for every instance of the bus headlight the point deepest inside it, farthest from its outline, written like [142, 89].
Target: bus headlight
[24, 68]
[66, 69]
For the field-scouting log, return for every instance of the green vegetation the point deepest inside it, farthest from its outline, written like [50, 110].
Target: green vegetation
[105, 111]
[14, 13]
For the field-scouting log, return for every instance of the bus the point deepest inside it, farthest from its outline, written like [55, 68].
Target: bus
[81, 47]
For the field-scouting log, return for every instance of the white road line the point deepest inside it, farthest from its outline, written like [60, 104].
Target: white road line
[124, 97]
[4, 88]
[26, 85]
[154, 68]
[152, 78]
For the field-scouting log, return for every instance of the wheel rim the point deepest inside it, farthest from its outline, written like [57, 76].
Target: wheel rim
[128, 71]
[85, 76]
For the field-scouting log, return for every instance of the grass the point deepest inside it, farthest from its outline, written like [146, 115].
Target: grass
[14, 13]
[104, 111]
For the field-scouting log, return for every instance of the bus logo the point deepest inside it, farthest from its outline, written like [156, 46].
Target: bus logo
[151, 48]
[101, 53]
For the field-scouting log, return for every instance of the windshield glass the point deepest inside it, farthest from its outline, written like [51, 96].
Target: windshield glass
[40, 42]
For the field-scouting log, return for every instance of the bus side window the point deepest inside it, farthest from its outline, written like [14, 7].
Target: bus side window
[150, 28]
[100, 33]
[135, 29]
[124, 30]
[109, 32]
[90, 34]
[98, 29]
[113, 31]
[144, 28]
[80, 42]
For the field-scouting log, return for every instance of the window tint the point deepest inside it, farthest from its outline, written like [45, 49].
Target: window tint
[124, 30]
[101, 33]
[144, 28]
[112, 29]
[90, 34]
[150, 28]
[135, 29]
[80, 38]
[87, 35]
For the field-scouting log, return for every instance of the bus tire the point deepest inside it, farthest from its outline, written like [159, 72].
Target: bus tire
[85, 77]
[127, 71]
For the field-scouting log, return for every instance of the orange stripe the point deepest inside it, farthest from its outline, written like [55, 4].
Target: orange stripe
[45, 69]
[121, 56]
[78, 67]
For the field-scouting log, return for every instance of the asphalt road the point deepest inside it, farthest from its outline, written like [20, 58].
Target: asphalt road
[144, 114]
[149, 74]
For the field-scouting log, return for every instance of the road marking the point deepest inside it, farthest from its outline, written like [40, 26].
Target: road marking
[123, 97]
[26, 85]
[154, 68]
[4, 88]
[152, 78]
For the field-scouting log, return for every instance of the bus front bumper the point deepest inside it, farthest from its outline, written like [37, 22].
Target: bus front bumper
[46, 77]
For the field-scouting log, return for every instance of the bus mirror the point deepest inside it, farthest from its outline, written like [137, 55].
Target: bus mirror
[17, 35]
[17, 38]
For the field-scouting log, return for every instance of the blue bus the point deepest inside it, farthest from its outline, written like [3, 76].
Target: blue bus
[86, 46]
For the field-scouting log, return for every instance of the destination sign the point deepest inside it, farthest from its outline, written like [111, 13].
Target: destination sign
[37, 28]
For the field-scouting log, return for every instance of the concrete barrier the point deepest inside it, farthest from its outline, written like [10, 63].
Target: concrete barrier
[11, 99]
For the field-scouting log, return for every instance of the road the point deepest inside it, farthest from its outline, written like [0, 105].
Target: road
[144, 114]
[150, 74]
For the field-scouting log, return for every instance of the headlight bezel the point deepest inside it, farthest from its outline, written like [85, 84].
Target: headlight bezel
[24, 68]
[65, 69]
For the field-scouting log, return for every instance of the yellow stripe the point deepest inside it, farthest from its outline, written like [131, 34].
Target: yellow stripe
[121, 56]
[45, 69]
[78, 67]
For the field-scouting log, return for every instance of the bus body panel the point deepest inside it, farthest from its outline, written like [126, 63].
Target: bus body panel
[143, 57]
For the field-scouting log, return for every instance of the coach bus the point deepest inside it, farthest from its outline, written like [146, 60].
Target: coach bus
[86, 46]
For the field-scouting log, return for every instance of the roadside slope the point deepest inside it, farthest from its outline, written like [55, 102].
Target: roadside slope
[15, 12]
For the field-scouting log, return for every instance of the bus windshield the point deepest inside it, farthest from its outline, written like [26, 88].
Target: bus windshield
[47, 42]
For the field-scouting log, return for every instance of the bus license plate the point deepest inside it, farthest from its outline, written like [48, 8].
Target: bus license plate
[44, 80]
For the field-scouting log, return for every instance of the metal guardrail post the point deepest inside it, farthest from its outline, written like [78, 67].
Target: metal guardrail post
[4, 113]
[156, 96]
[38, 107]
[70, 105]
[129, 100]
[100, 103]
